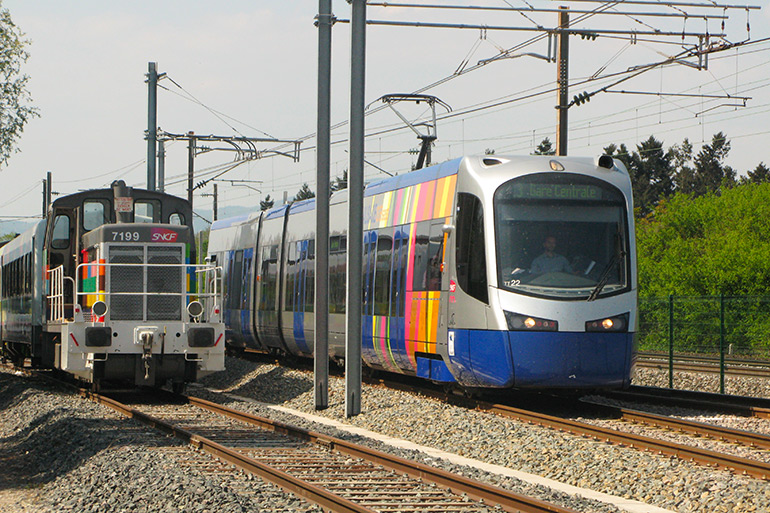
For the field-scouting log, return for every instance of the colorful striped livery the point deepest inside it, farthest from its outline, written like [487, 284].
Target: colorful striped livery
[459, 283]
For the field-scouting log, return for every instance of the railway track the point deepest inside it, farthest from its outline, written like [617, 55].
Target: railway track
[336, 474]
[711, 458]
[706, 364]
[735, 405]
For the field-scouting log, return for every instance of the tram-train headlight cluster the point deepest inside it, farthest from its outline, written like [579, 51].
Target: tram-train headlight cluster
[618, 323]
[519, 322]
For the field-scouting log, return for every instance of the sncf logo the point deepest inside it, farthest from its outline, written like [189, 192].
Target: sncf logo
[163, 235]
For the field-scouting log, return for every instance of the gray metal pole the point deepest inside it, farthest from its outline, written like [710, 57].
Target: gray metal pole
[562, 79]
[152, 122]
[216, 197]
[323, 152]
[48, 192]
[161, 165]
[190, 167]
[45, 198]
[354, 307]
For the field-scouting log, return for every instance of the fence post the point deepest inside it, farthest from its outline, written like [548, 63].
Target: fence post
[722, 343]
[671, 341]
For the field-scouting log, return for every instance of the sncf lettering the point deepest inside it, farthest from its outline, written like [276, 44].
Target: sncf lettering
[164, 236]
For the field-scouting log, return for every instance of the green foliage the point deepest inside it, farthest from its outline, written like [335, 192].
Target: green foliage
[267, 203]
[545, 148]
[304, 193]
[15, 110]
[707, 245]
[339, 183]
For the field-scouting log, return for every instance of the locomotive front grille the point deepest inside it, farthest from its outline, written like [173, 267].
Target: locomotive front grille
[164, 279]
[159, 288]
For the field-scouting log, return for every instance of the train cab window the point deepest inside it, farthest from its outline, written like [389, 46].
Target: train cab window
[95, 214]
[176, 219]
[146, 211]
[61, 232]
[561, 236]
[471, 258]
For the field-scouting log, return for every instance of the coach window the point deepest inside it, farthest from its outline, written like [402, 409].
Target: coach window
[61, 232]
[146, 211]
[95, 214]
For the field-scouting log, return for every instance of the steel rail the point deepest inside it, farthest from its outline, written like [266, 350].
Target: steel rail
[711, 458]
[738, 405]
[457, 484]
[726, 434]
[301, 488]
[741, 465]
[706, 368]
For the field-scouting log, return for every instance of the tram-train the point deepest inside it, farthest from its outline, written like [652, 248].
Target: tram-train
[483, 272]
[103, 289]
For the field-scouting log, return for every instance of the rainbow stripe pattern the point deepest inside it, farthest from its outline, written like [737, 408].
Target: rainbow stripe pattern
[393, 341]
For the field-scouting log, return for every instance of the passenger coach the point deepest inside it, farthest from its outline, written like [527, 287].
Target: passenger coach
[506, 272]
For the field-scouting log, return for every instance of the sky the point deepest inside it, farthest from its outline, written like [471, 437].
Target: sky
[249, 68]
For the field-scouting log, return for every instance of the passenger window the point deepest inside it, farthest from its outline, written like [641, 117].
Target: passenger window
[94, 215]
[61, 232]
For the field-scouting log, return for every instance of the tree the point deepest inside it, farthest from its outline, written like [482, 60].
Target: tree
[15, 111]
[267, 203]
[619, 152]
[304, 193]
[684, 174]
[760, 174]
[545, 148]
[651, 173]
[711, 174]
[340, 183]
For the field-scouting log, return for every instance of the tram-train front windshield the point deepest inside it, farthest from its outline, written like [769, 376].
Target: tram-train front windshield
[561, 235]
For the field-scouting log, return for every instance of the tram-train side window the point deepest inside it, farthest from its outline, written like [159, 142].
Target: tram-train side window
[398, 279]
[292, 269]
[471, 255]
[176, 219]
[235, 283]
[61, 232]
[95, 214]
[420, 273]
[337, 274]
[382, 274]
[269, 275]
[309, 268]
[435, 257]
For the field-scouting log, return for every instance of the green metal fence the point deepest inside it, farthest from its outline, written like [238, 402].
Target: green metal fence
[721, 327]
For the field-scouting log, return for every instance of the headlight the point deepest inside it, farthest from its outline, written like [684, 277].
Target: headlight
[518, 322]
[616, 324]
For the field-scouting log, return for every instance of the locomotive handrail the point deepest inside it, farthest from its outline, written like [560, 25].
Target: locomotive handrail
[56, 296]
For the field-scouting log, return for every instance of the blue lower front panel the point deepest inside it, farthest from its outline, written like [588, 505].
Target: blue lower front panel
[504, 359]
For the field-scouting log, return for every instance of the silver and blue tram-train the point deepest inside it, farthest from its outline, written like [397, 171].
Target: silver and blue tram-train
[452, 292]
[103, 289]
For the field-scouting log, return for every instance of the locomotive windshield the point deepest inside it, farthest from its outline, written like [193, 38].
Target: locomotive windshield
[562, 236]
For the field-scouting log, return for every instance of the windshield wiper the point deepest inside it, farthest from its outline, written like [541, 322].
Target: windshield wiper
[605, 277]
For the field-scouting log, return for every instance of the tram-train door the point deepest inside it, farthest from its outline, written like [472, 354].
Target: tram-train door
[425, 301]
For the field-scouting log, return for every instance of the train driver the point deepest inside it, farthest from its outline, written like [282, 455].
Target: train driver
[550, 261]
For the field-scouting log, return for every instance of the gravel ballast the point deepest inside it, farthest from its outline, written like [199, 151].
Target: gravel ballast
[62, 453]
